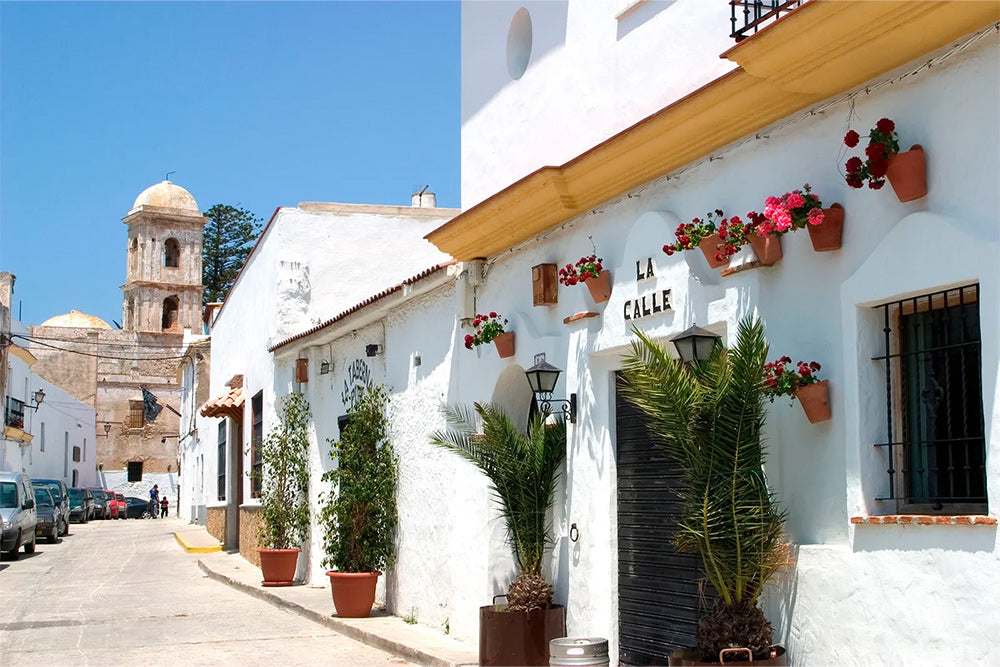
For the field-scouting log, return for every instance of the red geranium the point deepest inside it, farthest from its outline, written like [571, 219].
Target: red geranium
[883, 143]
[488, 327]
[780, 381]
[585, 269]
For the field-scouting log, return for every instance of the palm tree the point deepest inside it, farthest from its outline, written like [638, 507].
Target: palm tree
[523, 470]
[708, 419]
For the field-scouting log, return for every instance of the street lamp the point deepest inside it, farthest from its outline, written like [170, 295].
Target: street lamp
[543, 377]
[39, 396]
[695, 344]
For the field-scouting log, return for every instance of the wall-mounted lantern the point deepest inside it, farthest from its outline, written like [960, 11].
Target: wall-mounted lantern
[373, 350]
[38, 396]
[324, 367]
[695, 344]
[543, 377]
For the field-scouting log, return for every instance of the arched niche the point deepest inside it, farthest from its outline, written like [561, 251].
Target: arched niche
[170, 314]
[171, 253]
[513, 394]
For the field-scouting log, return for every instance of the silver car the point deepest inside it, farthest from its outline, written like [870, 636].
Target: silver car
[60, 494]
[17, 514]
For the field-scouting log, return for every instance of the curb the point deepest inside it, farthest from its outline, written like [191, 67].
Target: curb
[390, 646]
[193, 549]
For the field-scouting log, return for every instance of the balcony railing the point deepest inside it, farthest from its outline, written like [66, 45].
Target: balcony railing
[14, 413]
[750, 15]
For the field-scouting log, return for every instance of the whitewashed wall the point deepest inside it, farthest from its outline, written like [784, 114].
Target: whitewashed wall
[877, 593]
[588, 76]
[59, 424]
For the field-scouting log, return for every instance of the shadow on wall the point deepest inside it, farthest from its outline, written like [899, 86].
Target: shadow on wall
[640, 15]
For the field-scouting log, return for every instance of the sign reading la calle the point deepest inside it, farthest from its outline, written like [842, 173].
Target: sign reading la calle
[650, 303]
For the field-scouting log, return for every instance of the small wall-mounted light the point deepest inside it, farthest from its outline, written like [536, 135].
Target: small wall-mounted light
[107, 428]
[543, 377]
[373, 350]
[695, 344]
[416, 360]
[39, 396]
[324, 367]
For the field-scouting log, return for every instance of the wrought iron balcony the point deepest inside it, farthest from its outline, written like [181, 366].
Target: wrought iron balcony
[755, 14]
[14, 414]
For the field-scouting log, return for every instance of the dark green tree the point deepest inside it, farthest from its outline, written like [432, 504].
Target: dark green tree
[227, 241]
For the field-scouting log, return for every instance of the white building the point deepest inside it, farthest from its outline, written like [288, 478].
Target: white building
[892, 543]
[51, 439]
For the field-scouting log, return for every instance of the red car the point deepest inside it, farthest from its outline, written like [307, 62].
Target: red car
[112, 504]
[121, 506]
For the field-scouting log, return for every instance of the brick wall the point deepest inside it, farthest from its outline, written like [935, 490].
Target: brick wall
[215, 522]
[249, 526]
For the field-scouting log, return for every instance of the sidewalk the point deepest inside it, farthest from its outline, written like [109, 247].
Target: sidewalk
[416, 643]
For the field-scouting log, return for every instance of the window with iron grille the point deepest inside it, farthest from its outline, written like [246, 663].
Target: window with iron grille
[935, 446]
[136, 415]
[222, 461]
[256, 462]
[135, 471]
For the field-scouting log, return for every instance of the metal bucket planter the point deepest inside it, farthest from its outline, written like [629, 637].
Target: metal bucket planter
[688, 657]
[518, 637]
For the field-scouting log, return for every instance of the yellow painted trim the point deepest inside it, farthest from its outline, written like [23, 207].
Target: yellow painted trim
[13, 433]
[23, 354]
[191, 549]
[822, 49]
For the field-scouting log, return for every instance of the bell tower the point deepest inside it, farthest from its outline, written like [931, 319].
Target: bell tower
[162, 290]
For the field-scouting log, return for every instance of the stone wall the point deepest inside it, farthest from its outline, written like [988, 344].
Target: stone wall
[215, 522]
[249, 525]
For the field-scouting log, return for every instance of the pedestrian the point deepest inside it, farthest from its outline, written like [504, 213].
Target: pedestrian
[154, 500]
[164, 507]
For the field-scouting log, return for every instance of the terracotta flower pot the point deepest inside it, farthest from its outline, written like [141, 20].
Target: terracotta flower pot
[353, 592]
[826, 235]
[767, 248]
[518, 637]
[505, 344]
[688, 657]
[815, 400]
[709, 246]
[600, 287]
[908, 174]
[278, 566]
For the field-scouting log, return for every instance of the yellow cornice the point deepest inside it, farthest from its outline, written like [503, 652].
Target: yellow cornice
[816, 52]
[14, 433]
[23, 354]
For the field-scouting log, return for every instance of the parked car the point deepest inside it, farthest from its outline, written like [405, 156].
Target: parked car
[136, 507]
[17, 514]
[122, 506]
[47, 514]
[81, 505]
[100, 502]
[57, 488]
[112, 505]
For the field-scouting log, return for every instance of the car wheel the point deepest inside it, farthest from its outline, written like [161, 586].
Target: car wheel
[54, 537]
[29, 548]
[14, 553]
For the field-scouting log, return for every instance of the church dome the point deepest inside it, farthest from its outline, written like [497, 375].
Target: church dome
[166, 195]
[76, 319]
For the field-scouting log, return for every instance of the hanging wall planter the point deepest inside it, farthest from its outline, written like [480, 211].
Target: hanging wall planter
[600, 287]
[589, 271]
[815, 400]
[826, 236]
[767, 248]
[710, 247]
[505, 344]
[907, 174]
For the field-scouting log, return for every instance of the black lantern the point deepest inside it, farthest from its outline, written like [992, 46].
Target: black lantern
[39, 396]
[695, 344]
[543, 377]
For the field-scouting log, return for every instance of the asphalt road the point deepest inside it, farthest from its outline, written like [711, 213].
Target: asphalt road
[124, 593]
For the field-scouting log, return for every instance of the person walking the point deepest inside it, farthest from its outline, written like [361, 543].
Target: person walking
[154, 500]
[164, 507]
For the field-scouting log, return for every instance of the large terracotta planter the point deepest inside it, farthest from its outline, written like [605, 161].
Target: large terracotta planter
[600, 287]
[505, 344]
[709, 246]
[353, 592]
[767, 248]
[688, 657]
[908, 174]
[826, 235]
[815, 400]
[518, 637]
[278, 566]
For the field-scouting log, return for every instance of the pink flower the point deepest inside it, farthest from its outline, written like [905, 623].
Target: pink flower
[795, 200]
[815, 216]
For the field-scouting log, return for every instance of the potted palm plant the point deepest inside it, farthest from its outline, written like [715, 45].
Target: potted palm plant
[523, 470]
[359, 512]
[709, 418]
[284, 503]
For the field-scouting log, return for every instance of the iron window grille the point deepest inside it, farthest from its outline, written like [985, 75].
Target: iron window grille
[757, 13]
[221, 470]
[935, 443]
[136, 414]
[135, 471]
[256, 462]
[15, 413]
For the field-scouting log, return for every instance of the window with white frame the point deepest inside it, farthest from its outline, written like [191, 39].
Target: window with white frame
[221, 469]
[935, 446]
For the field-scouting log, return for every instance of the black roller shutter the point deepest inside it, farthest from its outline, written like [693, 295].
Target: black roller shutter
[658, 587]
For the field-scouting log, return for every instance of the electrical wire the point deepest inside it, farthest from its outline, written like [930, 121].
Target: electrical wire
[97, 355]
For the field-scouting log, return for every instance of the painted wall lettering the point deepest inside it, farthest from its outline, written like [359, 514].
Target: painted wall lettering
[644, 269]
[358, 376]
[657, 301]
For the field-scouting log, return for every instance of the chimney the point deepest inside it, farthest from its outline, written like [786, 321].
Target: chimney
[424, 199]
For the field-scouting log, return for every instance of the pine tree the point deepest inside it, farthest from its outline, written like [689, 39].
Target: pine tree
[227, 241]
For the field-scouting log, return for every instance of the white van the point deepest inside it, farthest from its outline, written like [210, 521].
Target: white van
[17, 514]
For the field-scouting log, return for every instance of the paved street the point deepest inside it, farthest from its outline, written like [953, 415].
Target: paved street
[124, 592]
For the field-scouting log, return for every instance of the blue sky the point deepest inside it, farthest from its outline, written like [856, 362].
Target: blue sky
[260, 104]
